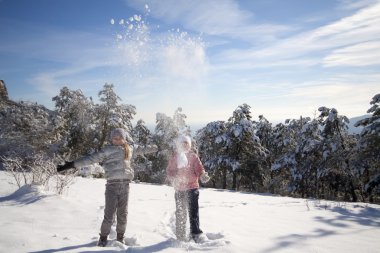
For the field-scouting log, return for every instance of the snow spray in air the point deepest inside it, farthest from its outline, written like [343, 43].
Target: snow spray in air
[170, 58]
[167, 67]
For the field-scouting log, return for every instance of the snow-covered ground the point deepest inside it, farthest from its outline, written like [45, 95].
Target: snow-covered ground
[34, 220]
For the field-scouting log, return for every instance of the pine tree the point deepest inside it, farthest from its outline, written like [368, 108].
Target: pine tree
[295, 156]
[245, 151]
[308, 155]
[165, 133]
[264, 131]
[369, 150]
[111, 114]
[76, 128]
[141, 133]
[179, 120]
[143, 164]
[337, 170]
[212, 143]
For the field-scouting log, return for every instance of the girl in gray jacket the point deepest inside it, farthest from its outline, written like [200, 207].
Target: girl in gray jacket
[116, 162]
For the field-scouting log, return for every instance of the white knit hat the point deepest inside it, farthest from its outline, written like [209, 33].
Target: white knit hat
[181, 139]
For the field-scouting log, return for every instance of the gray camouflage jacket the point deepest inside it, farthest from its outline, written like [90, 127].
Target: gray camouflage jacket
[112, 157]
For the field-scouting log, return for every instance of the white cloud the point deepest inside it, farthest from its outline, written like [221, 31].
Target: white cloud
[220, 18]
[359, 28]
[348, 98]
[356, 4]
[279, 99]
[46, 84]
[74, 63]
[362, 54]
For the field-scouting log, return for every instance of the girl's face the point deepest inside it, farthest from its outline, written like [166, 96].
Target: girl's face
[117, 140]
[185, 146]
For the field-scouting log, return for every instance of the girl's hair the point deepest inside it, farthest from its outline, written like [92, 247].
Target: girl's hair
[127, 149]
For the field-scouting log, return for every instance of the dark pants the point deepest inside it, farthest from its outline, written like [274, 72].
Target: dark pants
[187, 204]
[116, 195]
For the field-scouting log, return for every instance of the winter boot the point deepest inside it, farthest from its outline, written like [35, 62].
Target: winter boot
[199, 238]
[102, 241]
[120, 238]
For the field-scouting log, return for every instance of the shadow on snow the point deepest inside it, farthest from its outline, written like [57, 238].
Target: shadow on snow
[26, 195]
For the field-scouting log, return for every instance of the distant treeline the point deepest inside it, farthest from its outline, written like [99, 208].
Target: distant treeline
[302, 157]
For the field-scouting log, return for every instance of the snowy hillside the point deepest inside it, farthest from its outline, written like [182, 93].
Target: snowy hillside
[34, 220]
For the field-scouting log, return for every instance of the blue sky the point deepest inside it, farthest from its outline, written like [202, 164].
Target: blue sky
[285, 58]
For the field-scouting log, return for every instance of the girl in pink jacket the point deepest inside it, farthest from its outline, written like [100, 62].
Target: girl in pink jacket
[184, 171]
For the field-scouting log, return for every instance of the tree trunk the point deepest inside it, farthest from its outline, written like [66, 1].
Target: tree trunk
[224, 178]
[234, 180]
[353, 193]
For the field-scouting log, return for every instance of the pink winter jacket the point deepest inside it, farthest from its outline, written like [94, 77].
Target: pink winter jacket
[185, 178]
